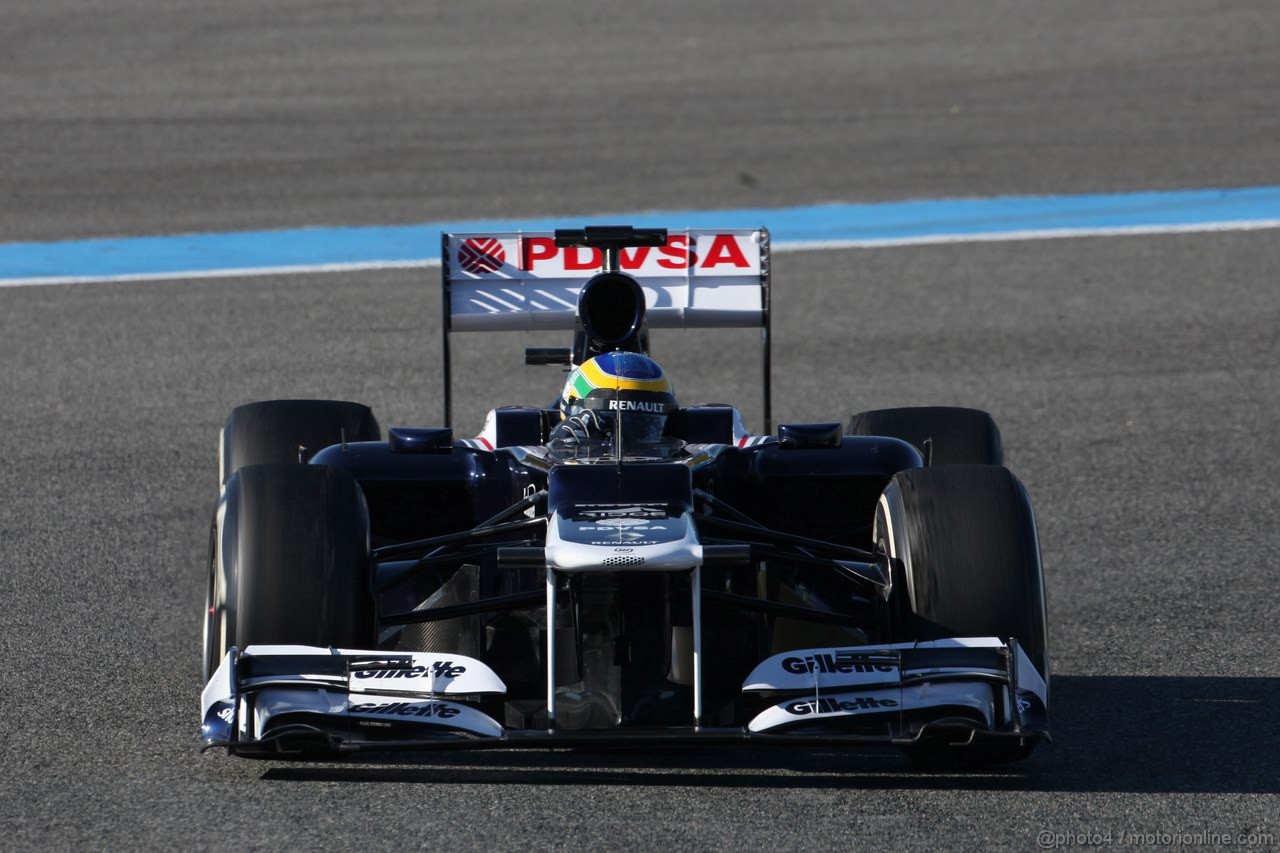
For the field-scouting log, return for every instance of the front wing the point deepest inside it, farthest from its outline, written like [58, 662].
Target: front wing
[287, 700]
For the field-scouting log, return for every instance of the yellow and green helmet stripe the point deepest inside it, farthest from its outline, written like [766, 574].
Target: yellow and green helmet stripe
[627, 375]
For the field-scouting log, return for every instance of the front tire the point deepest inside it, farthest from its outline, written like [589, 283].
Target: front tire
[290, 562]
[966, 538]
[272, 431]
[954, 436]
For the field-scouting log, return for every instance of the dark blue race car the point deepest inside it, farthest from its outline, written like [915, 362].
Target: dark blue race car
[618, 567]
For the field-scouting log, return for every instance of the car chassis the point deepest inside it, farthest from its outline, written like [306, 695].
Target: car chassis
[615, 599]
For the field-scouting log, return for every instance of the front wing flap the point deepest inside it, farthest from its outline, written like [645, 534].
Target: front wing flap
[288, 699]
[270, 697]
[906, 690]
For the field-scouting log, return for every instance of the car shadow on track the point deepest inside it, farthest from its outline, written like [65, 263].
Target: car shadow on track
[1115, 733]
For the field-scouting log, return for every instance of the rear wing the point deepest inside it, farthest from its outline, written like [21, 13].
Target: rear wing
[523, 281]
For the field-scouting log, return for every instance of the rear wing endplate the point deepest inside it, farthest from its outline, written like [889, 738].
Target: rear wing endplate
[521, 281]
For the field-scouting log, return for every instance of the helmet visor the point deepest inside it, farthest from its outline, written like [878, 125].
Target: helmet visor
[641, 428]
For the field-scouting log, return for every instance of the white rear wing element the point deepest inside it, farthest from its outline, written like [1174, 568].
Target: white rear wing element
[521, 281]
[524, 281]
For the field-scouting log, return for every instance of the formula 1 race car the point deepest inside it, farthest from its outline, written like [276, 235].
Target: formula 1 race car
[616, 568]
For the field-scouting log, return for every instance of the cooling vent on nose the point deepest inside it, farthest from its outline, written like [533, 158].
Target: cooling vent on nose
[622, 561]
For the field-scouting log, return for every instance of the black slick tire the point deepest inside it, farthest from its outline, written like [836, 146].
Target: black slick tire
[954, 436]
[272, 431]
[290, 562]
[966, 538]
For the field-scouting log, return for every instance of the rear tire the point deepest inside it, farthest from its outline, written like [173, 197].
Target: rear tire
[290, 562]
[966, 538]
[957, 436]
[272, 431]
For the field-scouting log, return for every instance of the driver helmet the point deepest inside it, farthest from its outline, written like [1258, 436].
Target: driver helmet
[626, 382]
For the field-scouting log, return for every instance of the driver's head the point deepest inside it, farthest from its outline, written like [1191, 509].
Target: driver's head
[626, 382]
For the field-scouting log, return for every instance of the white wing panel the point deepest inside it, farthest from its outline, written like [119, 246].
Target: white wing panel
[521, 281]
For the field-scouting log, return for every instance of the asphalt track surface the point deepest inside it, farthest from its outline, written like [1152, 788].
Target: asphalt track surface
[1136, 379]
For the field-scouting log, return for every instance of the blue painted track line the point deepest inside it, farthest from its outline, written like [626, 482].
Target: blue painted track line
[815, 226]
